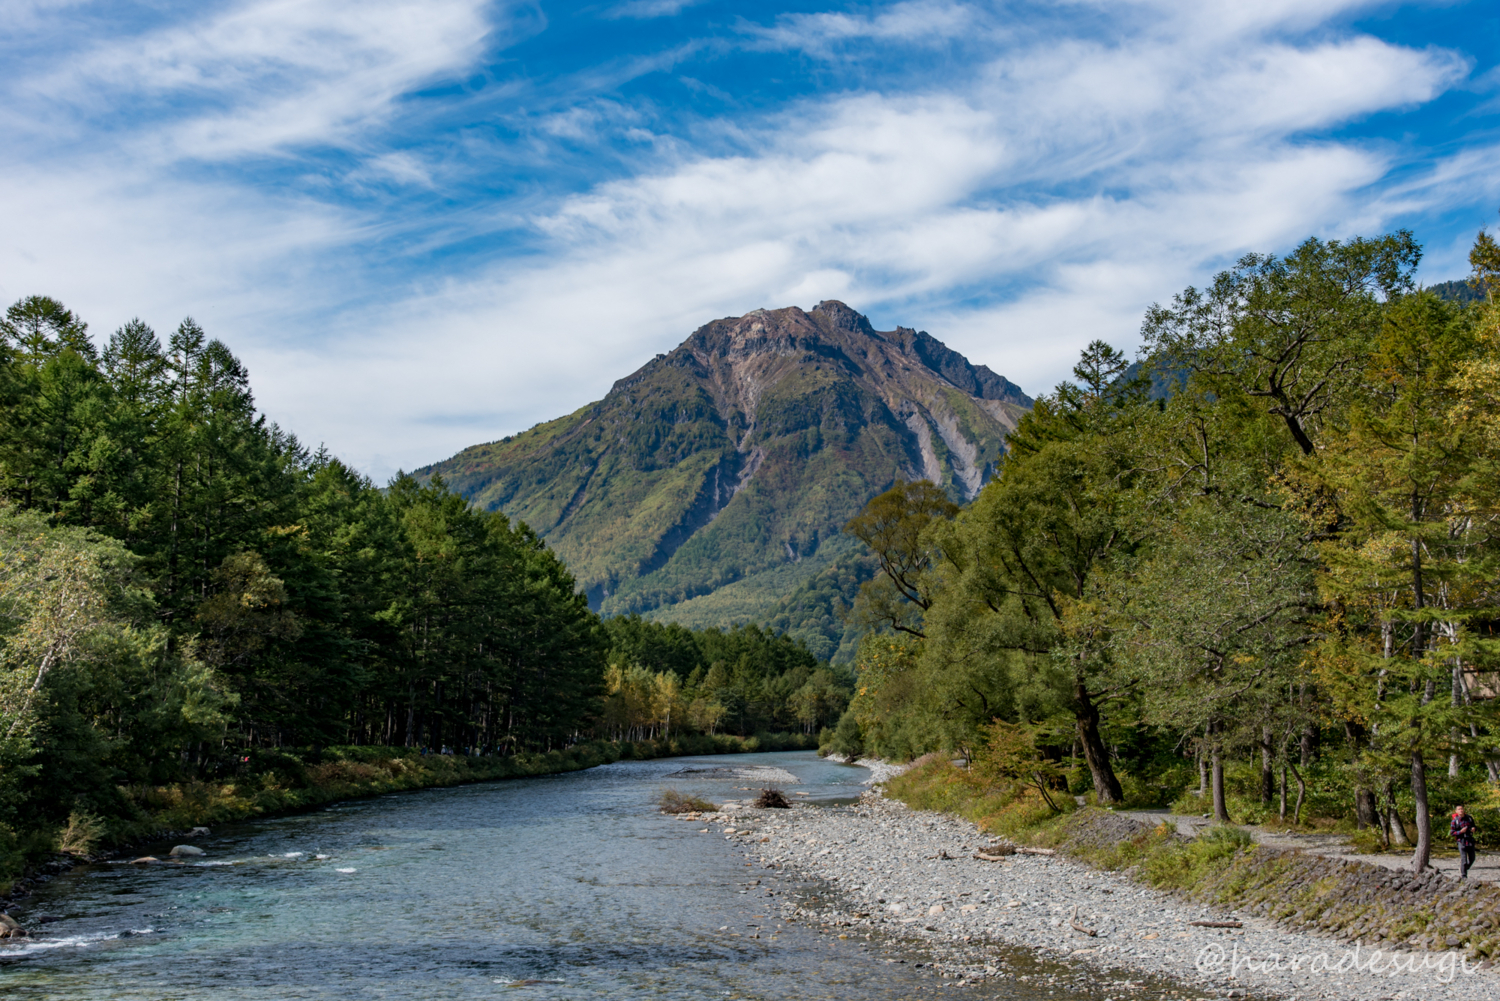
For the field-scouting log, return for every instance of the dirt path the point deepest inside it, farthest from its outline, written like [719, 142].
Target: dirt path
[1486, 868]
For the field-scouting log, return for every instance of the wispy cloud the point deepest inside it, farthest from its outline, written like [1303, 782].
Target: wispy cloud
[646, 9]
[421, 232]
[255, 77]
[910, 21]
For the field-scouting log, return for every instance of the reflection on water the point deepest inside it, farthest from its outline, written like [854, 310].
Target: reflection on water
[569, 886]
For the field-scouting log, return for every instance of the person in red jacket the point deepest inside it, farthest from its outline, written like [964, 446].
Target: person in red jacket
[1463, 830]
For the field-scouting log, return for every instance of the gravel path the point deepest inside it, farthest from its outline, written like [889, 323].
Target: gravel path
[1445, 860]
[889, 871]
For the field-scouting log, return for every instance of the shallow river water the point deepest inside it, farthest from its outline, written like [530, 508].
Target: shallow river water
[571, 882]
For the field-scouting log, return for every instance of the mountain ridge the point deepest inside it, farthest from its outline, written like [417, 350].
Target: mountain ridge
[742, 450]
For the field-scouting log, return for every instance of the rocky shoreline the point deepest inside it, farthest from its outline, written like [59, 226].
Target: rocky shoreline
[15, 903]
[885, 870]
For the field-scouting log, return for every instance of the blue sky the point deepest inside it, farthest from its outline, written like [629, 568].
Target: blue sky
[428, 223]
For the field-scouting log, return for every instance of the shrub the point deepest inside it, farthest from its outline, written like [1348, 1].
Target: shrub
[1010, 755]
[1010, 809]
[845, 738]
[1227, 838]
[82, 832]
[672, 801]
[1185, 865]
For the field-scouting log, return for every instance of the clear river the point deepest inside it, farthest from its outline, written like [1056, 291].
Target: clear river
[568, 886]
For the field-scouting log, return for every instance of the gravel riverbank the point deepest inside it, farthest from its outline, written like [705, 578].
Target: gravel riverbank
[890, 871]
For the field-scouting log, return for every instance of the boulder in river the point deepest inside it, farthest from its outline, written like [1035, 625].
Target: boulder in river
[144, 860]
[10, 927]
[187, 850]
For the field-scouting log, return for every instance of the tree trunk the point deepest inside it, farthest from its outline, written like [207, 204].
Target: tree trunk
[1399, 836]
[1301, 796]
[1221, 811]
[1365, 811]
[1267, 773]
[1424, 820]
[1460, 697]
[1308, 736]
[1281, 814]
[1106, 785]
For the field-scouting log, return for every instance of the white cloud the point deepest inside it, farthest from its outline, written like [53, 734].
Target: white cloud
[257, 76]
[1017, 207]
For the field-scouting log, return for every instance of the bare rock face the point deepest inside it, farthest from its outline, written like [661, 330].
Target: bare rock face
[743, 452]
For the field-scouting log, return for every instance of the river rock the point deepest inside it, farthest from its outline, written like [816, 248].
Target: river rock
[144, 860]
[187, 850]
[199, 832]
[10, 927]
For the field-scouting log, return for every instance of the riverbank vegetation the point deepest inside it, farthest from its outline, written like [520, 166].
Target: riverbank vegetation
[204, 619]
[664, 679]
[1254, 574]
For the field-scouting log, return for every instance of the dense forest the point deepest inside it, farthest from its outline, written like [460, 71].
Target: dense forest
[1274, 576]
[187, 593]
[744, 680]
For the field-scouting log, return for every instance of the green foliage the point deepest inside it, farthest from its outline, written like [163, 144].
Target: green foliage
[184, 589]
[1010, 809]
[809, 600]
[666, 678]
[846, 739]
[892, 526]
[1181, 865]
[81, 833]
[1011, 755]
[1275, 557]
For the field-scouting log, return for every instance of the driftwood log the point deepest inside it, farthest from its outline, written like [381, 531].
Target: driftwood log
[1073, 920]
[994, 853]
[997, 853]
[1217, 924]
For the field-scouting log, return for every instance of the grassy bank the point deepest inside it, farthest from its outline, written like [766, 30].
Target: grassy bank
[286, 781]
[1382, 908]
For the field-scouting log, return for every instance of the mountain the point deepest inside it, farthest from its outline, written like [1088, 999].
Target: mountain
[711, 483]
[1457, 291]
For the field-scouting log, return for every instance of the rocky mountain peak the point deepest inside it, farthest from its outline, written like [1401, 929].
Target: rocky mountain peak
[743, 452]
[842, 317]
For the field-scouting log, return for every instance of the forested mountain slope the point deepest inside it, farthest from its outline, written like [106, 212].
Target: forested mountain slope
[742, 453]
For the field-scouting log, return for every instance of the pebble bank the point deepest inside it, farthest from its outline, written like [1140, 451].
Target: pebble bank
[884, 871]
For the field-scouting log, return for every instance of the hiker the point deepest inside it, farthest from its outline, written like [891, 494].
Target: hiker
[1463, 831]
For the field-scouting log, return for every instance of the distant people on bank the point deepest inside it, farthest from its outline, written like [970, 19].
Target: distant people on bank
[1464, 831]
